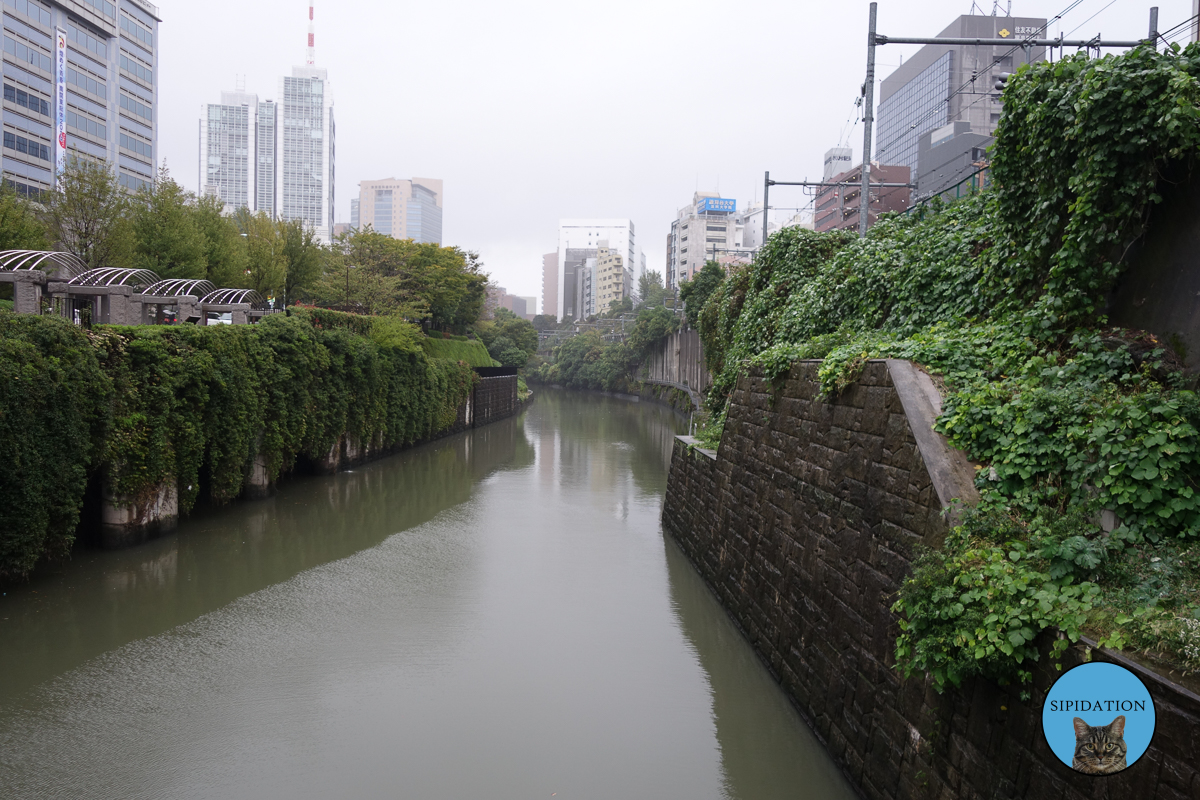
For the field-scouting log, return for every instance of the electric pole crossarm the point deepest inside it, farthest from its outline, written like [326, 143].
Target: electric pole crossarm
[881, 39]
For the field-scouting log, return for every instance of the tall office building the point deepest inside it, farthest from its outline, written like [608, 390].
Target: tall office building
[308, 148]
[80, 80]
[402, 209]
[354, 213]
[307, 151]
[924, 93]
[237, 146]
[577, 251]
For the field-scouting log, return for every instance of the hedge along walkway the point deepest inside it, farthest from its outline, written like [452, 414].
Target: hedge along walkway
[149, 404]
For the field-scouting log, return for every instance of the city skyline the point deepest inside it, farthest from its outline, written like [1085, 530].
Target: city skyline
[498, 127]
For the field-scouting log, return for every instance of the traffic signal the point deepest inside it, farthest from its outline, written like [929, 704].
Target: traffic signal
[1001, 80]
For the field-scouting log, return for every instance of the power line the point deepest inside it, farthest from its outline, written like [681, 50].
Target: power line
[995, 61]
[1092, 17]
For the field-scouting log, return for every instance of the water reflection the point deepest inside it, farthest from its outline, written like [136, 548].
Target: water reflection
[101, 600]
[492, 615]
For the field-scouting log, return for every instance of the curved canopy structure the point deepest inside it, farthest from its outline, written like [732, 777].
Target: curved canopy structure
[64, 264]
[180, 287]
[229, 297]
[112, 276]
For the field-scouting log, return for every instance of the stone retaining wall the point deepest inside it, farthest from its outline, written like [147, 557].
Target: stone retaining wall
[805, 524]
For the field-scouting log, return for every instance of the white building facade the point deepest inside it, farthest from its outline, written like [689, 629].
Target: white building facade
[238, 140]
[307, 151]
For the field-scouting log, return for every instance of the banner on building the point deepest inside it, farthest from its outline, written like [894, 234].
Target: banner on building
[60, 103]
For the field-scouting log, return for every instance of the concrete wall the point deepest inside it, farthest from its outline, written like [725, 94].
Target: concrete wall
[1160, 291]
[805, 524]
[678, 362]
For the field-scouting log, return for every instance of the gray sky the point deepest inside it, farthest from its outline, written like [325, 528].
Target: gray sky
[536, 111]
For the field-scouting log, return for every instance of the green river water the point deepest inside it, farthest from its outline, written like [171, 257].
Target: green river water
[493, 615]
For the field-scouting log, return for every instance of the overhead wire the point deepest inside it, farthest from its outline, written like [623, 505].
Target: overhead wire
[995, 61]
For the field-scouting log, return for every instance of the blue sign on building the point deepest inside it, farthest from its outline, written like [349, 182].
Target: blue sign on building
[717, 204]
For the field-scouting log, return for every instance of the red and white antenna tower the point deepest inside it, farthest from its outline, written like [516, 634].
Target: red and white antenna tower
[312, 47]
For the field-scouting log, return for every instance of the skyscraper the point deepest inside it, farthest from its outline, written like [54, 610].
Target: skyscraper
[402, 209]
[307, 151]
[80, 80]
[237, 146]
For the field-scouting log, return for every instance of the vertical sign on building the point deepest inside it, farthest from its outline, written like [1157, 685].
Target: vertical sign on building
[60, 103]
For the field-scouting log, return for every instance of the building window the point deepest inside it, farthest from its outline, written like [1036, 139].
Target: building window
[27, 146]
[35, 104]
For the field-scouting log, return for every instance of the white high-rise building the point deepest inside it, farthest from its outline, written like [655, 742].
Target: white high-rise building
[578, 244]
[237, 149]
[307, 151]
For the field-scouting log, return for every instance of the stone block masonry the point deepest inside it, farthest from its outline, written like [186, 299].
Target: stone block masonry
[805, 524]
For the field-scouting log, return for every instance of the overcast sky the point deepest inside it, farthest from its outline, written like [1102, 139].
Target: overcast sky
[535, 111]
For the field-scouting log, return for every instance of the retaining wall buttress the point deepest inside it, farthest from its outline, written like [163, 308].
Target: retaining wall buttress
[804, 525]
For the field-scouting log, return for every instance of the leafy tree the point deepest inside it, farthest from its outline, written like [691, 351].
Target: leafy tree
[618, 307]
[224, 247]
[650, 289]
[302, 258]
[20, 228]
[266, 261]
[695, 293]
[88, 215]
[167, 237]
[545, 322]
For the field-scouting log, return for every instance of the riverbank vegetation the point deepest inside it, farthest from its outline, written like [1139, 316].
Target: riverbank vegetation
[1074, 423]
[591, 361]
[140, 406]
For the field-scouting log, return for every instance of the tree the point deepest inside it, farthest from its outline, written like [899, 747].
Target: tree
[87, 215]
[545, 322]
[167, 238]
[650, 289]
[266, 263]
[302, 258]
[224, 246]
[20, 228]
[695, 293]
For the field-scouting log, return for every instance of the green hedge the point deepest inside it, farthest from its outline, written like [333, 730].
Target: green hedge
[470, 351]
[194, 404]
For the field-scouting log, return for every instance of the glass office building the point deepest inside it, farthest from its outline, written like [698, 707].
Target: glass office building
[918, 106]
[307, 150]
[942, 84]
[402, 209]
[109, 74]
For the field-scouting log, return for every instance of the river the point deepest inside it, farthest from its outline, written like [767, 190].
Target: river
[493, 615]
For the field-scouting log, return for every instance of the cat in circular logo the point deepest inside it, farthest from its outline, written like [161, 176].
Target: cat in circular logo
[1098, 718]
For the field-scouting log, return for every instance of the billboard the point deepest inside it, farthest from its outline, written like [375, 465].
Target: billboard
[60, 102]
[720, 204]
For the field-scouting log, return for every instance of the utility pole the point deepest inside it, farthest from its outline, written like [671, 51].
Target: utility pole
[868, 119]
[766, 203]
[1154, 27]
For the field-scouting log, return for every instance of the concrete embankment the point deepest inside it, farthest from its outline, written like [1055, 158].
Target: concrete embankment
[804, 525]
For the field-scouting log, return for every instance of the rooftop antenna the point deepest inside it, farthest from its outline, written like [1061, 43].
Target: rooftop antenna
[312, 47]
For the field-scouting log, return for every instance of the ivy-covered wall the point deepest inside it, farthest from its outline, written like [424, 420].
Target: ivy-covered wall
[195, 406]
